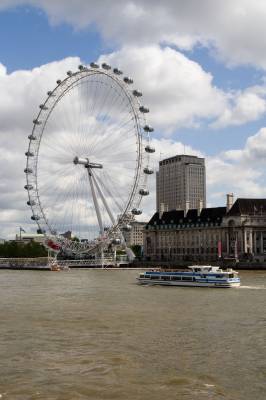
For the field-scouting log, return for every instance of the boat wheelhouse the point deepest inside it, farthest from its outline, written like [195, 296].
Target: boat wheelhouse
[196, 276]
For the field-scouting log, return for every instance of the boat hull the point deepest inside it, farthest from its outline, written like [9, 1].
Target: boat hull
[216, 285]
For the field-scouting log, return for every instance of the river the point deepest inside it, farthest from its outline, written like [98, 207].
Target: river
[96, 334]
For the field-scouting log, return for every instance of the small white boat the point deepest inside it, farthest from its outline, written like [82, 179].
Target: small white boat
[197, 276]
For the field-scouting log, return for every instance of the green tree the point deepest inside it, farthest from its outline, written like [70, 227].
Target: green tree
[17, 249]
[137, 250]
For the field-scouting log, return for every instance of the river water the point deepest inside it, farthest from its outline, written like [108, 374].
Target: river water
[96, 334]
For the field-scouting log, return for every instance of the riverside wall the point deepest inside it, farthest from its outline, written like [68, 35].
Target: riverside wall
[41, 264]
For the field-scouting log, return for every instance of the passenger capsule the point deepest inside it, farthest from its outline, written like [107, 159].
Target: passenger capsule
[136, 211]
[117, 71]
[31, 203]
[35, 217]
[94, 65]
[148, 171]
[81, 67]
[137, 93]
[69, 73]
[143, 192]
[50, 94]
[149, 149]
[148, 128]
[58, 81]
[37, 122]
[143, 109]
[116, 241]
[28, 187]
[32, 137]
[28, 171]
[128, 80]
[43, 107]
[29, 154]
[106, 66]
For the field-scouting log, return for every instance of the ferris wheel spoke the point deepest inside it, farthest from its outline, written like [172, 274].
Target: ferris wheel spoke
[72, 196]
[109, 111]
[112, 187]
[119, 130]
[55, 200]
[65, 199]
[56, 150]
[101, 127]
[111, 135]
[110, 194]
[82, 141]
[92, 121]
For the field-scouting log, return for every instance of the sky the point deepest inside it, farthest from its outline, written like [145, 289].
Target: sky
[200, 65]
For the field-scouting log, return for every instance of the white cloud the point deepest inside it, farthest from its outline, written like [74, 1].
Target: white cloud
[23, 91]
[241, 171]
[21, 94]
[234, 30]
[177, 90]
[243, 106]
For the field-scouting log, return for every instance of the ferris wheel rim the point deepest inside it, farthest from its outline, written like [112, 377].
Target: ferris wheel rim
[37, 133]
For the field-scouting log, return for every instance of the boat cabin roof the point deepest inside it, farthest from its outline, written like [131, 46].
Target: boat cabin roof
[205, 268]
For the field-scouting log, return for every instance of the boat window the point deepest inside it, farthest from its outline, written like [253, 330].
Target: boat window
[231, 275]
[176, 278]
[187, 278]
[147, 276]
[155, 277]
[165, 278]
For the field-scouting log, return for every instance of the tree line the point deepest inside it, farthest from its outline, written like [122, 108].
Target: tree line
[27, 250]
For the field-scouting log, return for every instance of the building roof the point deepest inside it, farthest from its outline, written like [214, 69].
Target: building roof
[183, 157]
[176, 217]
[248, 207]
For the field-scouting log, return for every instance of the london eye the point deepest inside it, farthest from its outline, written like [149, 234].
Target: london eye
[88, 159]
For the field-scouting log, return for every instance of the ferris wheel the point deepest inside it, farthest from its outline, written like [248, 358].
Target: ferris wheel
[88, 159]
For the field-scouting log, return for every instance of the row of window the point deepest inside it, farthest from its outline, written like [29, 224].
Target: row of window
[184, 250]
[173, 226]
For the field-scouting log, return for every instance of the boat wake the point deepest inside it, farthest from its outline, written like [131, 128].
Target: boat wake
[253, 287]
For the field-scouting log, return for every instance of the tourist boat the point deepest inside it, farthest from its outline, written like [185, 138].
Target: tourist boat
[197, 276]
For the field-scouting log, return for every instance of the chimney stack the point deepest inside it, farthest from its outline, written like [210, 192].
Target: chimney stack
[162, 210]
[187, 207]
[229, 201]
[200, 207]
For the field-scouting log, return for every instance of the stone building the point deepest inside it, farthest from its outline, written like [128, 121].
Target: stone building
[135, 235]
[237, 231]
[181, 183]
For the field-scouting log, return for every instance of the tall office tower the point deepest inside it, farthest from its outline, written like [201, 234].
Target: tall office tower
[181, 183]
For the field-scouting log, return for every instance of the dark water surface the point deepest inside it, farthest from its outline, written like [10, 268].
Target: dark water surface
[95, 334]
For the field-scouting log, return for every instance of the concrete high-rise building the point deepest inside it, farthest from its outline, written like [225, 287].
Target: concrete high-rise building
[181, 183]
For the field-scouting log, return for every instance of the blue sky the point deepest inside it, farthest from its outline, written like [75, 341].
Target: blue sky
[31, 41]
[201, 69]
